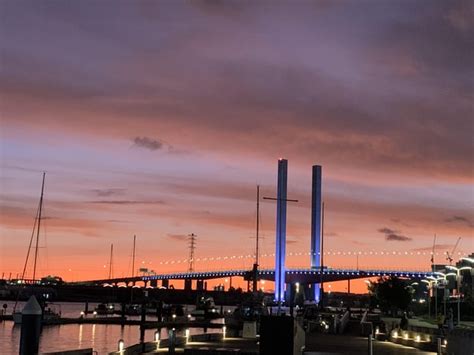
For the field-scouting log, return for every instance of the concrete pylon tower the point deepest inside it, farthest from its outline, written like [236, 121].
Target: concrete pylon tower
[316, 226]
[281, 231]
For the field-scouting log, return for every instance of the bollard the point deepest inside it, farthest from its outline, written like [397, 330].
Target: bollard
[156, 338]
[171, 341]
[30, 327]
[122, 312]
[159, 311]
[121, 345]
[370, 349]
[439, 347]
[142, 325]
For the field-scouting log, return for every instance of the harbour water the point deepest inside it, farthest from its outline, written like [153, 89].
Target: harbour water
[103, 338]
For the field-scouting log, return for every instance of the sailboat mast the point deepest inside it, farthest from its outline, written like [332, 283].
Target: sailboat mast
[39, 225]
[133, 256]
[258, 225]
[255, 265]
[321, 271]
[29, 246]
[111, 260]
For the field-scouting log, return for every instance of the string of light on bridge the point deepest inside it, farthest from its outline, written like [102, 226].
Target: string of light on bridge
[369, 253]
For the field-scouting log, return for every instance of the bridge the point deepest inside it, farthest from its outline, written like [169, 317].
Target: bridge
[292, 276]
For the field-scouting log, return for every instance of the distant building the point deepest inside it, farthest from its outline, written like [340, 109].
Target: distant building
[467, 275]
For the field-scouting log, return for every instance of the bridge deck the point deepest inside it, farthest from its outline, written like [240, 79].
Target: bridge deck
[292, 275]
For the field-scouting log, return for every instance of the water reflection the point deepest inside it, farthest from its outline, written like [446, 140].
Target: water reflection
[80, 335]
[100, 337]
[93, 336]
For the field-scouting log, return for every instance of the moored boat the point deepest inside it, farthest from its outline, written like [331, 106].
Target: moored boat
[105, 309]
[205, 308]
[51, 314]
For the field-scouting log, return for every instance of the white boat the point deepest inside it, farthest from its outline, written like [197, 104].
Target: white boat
[51, 314]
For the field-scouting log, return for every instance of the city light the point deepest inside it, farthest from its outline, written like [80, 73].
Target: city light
[121, 345]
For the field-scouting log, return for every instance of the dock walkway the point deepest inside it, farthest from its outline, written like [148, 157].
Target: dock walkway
[325, 344]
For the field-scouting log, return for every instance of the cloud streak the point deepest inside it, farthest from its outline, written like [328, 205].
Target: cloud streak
[178, 237]
[127, 202]
[108, 192]
[147, 143]
[460, 219]
[393, 235]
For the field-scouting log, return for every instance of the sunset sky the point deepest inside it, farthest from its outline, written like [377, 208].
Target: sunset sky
[160, 118]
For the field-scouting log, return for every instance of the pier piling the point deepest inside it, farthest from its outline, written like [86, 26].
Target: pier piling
[30, 327]
[142, 325]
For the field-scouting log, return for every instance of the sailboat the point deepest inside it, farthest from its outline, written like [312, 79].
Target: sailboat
[48, 313]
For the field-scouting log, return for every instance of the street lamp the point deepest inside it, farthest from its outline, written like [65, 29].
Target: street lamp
[458, 284]
[430, 284]
[434, 287]
[445, 283]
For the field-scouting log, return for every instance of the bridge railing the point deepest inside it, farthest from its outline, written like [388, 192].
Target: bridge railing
[296, 269]
[306, 268]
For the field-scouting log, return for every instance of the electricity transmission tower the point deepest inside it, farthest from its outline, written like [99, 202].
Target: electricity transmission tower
[192, 247]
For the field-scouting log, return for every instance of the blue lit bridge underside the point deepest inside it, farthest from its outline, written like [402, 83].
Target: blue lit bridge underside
[292, 275]
[303, 276]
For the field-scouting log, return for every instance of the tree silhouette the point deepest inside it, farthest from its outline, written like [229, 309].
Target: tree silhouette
[391, 293]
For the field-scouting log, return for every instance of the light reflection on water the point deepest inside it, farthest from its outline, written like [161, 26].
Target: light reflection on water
[103, 338]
